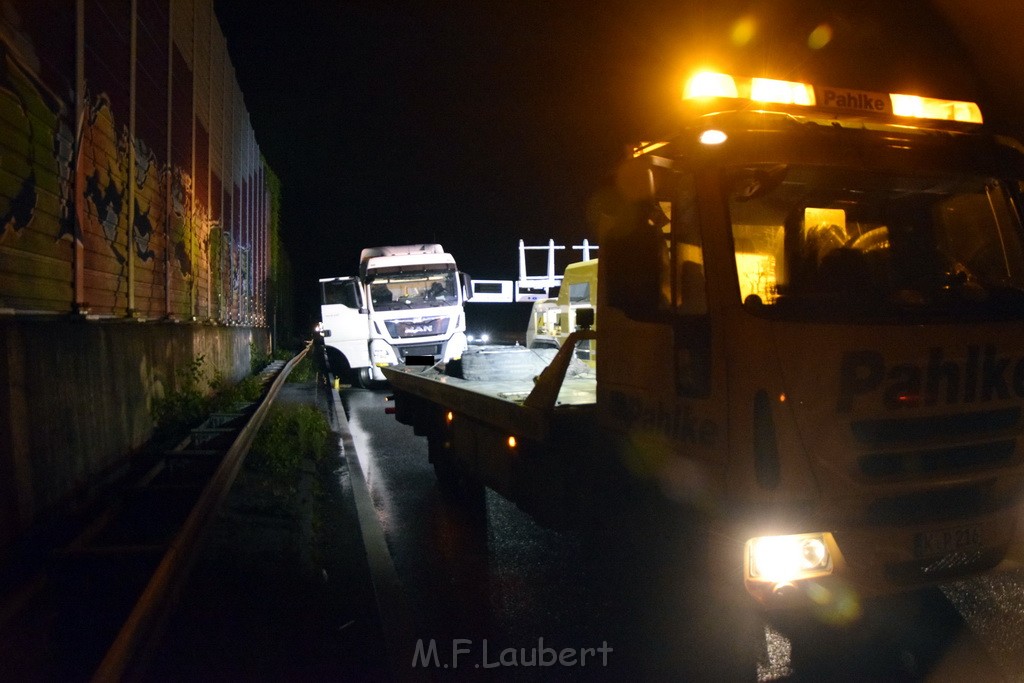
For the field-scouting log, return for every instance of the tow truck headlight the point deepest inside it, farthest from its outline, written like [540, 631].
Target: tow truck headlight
[783, 559]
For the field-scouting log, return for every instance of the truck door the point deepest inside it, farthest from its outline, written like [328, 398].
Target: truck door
[345, 321]
[661, 376]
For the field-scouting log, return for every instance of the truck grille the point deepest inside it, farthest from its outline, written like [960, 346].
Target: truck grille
[419, 350]
[937, 505]
[930, 461]
[921, 446]
[894, 431]
[417, 327]
[953, 465]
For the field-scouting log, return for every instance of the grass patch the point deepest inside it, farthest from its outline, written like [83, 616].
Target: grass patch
[304, 370]
[249, 390]
[258, 358]
[289, 435]
[195, 396]
[186, 403]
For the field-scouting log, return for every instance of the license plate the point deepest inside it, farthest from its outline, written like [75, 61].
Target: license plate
[943, 541]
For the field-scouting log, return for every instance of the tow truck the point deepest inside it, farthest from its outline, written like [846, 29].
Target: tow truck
[812, 330]
[553, 319]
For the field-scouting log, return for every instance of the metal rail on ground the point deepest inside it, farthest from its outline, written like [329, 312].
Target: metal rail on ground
[143, 626]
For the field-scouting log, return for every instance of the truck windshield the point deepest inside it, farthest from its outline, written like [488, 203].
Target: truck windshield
[399, 291]
[850, 243]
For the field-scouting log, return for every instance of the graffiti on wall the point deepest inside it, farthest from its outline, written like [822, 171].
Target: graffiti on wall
[102, 166]
[93, 214]
[36, 158]
[147, 205]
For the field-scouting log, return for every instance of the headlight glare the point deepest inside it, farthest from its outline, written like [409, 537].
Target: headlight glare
[780, 559]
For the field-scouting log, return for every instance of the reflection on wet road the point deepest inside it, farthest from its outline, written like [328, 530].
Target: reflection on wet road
[507, 598]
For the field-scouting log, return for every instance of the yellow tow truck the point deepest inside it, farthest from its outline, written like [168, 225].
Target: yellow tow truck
[812, 329]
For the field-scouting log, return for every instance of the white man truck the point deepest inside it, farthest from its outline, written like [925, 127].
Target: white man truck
[812, 329]
[406, 301]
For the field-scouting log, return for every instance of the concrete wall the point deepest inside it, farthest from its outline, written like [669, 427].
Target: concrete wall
[76, 396]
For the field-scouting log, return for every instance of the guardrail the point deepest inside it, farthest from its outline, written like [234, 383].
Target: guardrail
[144, 624]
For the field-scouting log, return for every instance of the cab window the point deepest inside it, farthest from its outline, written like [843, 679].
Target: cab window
[682, 273]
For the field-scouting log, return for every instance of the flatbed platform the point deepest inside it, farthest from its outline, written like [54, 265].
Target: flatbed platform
[500, 402]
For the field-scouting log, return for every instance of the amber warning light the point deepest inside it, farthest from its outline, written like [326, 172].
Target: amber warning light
[707, 84]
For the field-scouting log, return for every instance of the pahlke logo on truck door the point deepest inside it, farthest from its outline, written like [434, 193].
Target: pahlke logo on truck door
[983, 375]
[678, 422]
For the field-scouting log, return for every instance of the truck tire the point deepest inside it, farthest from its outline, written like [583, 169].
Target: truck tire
[364, 378]
[500, 363]
[336, 362]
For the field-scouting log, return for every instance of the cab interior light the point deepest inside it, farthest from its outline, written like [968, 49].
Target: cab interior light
[712, 136]
[782, 559]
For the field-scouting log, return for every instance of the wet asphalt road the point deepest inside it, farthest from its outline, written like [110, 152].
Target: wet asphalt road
[505, 599]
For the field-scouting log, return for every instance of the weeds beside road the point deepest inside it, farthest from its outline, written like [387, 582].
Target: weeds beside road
[281, 589]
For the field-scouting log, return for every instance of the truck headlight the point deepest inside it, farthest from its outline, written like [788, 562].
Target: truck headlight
[783, 559]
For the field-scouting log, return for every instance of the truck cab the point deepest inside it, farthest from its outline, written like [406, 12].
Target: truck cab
[406, 301]
[345, 326]
[812, 305]
[552, 320]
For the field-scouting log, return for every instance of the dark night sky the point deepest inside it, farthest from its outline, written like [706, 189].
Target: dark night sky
[475, 124]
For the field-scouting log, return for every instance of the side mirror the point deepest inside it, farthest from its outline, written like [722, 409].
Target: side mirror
[634, 180]
[633, 264]
[467, 286]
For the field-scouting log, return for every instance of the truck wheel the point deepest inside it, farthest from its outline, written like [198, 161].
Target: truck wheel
[337, 363]
[364, 378]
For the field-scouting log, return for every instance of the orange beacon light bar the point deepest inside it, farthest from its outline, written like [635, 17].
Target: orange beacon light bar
[708, 84]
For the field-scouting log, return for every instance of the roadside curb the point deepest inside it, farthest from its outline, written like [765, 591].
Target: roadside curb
[392, 607]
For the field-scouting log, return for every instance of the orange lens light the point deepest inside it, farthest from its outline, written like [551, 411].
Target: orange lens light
[781, 92]
[710, 84]
[933, 108]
